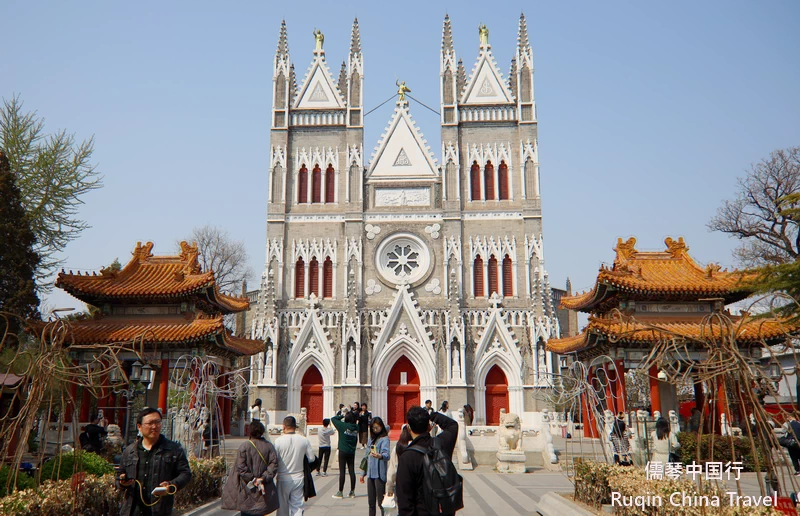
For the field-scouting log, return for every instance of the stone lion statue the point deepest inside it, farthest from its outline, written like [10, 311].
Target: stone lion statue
[509, 434]
[114, 437]
[301, 421]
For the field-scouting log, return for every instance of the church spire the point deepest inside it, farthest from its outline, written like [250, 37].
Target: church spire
[524, 74]
[283, 45]
[343, 78]
[447, 36]
[522, 36]
[355, 39]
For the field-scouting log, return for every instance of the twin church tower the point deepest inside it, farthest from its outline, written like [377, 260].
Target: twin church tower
[401, 277]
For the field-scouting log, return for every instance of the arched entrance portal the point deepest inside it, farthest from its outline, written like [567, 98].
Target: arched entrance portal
[403, 392]
[311, 395]
[496, 395]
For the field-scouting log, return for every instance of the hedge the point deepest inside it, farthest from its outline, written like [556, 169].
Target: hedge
[63, 466]
[722, 450]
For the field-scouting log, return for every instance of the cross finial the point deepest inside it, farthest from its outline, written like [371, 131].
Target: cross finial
[495, 300]
[312, 301]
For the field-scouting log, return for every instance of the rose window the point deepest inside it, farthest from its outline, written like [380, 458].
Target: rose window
[403, 258]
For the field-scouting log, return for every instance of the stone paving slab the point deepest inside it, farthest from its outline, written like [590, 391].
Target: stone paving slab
[486, 493]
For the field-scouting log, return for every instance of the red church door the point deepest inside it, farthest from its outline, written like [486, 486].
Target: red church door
[311, 396]
[403, 393]
[496, 395]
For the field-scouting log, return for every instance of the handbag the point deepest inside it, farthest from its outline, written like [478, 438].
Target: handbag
[389, 505]
[672, 457]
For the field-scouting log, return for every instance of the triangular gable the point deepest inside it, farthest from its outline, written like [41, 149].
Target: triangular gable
[404, 311]
[402, 151]
[319, 90]
[312, 330]
[497, 329]
[486, 84]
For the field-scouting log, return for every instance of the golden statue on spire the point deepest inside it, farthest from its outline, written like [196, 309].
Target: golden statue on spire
[319, 38]
[483, 31]
[402, 89]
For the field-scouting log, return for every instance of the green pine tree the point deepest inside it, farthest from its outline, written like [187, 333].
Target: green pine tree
[18, 260]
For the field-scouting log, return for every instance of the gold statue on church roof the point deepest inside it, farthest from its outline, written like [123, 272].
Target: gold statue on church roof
[483, 31]
[319, 38]
[402, 89]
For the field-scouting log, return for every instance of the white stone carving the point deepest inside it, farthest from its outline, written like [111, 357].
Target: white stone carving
[433, 230]
[433, 287]
[373, 287]
[418, 196]
[510, 456]
[402, 159]
[321, 249]
[351, 363]
[372, 231]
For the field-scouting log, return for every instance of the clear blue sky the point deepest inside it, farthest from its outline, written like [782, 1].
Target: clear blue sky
[647, 111]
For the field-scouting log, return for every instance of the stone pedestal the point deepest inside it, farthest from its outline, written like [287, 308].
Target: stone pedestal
[510, 462]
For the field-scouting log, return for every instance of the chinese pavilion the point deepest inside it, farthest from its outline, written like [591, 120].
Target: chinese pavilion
[166, 304]
[648, 297]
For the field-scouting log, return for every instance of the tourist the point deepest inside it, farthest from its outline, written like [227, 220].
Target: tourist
[341, 410]
[469, 415]
[391, 470]
[620, 444]
[255, 410]
[429, 406]
[93, 435]
[256, 467]
[364, 420]
[291, 448]
[791, 441]
[324, 438]
[347, 427]
[157, 454]
[377, 461]
[665, 443]
[410, 472]
[445, 409]
[356, 408]
[694, 420]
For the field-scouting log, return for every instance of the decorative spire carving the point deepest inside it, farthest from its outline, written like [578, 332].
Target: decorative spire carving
[512, 78]
[462, 77]
[292, 84]
[522, 35]
[447, 36]
[283, 45]
[343, 78]
[355, 39]
[452, 292]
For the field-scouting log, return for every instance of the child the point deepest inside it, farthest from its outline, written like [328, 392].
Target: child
[324, 437]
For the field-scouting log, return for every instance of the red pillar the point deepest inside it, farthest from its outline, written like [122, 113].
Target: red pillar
[589, 427]
[73, 399]
[163, 389]
[655, 393]
[699, 396]
[611, 403]
[86, 405]
[622, 401]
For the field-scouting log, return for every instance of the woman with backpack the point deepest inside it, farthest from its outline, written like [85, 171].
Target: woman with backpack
[250, 487]
[389, 504]
[377, 458]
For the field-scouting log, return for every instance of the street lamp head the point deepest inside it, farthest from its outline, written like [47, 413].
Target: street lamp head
[147, 376]
[113, 375]
[136, 372]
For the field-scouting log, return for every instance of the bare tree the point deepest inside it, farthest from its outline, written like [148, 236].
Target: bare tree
[226, 257]
[757, 216]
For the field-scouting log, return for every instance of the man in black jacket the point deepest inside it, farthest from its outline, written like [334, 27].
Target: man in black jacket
[410, 472]
[150, 462]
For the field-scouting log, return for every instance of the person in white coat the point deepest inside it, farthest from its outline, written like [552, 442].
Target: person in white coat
[664, 442]
[291, 448]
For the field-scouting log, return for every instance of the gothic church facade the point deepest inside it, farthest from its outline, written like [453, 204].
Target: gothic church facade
[402, 277]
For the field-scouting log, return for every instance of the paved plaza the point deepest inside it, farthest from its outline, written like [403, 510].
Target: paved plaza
[485, 493]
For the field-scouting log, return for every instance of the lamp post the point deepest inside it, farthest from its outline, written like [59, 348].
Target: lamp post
[140, 374]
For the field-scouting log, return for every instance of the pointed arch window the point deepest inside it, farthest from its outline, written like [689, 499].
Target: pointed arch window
[327, 278]
[475, 181]
[488, 178]
[299, 279]
[302, 184]
[492, 273]
[316, 184]
[313, 277]
[477, 277]
[508, 281]
[330, 183]
[502, 179]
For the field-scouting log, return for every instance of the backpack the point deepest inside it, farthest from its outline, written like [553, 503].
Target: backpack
[442, 486]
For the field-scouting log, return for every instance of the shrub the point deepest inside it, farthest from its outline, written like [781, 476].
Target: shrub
[23, 481]
[63, 466]
[99, 497]
[722, 450]
[591, 483]
[206, 484]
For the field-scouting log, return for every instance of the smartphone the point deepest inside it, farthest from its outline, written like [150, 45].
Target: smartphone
[160, 491]
[373, 449]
